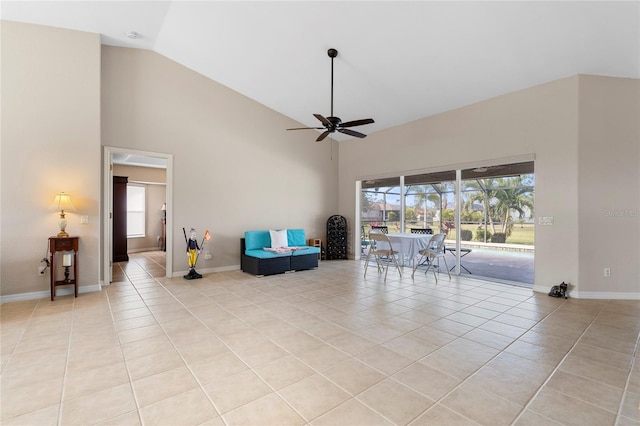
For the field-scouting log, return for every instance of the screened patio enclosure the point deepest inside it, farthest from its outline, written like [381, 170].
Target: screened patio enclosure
[485, 211]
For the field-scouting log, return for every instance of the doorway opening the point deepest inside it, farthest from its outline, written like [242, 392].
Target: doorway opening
[152, 242]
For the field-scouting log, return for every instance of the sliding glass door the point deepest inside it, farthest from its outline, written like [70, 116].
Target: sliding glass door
[490, 228]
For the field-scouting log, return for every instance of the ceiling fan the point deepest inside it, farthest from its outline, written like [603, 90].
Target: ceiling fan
[332, 123]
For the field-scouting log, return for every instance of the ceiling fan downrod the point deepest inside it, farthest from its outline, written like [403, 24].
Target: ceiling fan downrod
[332, 54]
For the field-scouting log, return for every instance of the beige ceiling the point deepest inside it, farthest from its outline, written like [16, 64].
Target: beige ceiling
[398, 61]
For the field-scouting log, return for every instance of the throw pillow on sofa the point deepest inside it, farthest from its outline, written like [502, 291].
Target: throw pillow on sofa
[279, 238]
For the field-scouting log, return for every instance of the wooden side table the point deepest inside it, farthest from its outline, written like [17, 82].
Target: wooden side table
[63, 244]
[316, 242]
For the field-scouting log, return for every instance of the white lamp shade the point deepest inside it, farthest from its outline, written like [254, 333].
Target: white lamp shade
[61, 202]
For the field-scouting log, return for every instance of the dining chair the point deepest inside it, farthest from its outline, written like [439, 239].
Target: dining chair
[384, 229]
[364, 241]
[383, 253]
[435, 250]
[421, 231]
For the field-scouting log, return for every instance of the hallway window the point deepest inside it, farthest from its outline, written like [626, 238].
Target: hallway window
[136, 202]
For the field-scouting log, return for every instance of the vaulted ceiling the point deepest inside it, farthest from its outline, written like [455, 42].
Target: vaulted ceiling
[398, 61]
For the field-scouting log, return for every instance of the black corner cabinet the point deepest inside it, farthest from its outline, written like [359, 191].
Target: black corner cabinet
[336, 237]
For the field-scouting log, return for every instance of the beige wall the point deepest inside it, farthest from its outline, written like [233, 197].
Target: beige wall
[562, 124]
[235, 166]
[609, 178]
[50, 143]
[153, 179]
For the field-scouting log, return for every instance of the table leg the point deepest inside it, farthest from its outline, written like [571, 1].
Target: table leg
[461, 265]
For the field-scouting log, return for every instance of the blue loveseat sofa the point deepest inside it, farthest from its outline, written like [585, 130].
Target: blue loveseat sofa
[258, 261]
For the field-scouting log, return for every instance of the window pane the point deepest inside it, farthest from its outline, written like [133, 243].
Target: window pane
[136, 211]
[380, 206]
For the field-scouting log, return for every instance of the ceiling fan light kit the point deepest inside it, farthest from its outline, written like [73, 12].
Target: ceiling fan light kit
[332, 123]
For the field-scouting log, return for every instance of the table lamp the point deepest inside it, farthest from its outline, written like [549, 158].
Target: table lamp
[62, 202]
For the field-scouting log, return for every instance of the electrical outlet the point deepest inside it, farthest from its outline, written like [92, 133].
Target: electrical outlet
[607, 272]
[207, 255]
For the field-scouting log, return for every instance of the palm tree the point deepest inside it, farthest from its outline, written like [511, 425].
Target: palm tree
[518, 198]
[485, 194]
[503, 196]
[422, 197]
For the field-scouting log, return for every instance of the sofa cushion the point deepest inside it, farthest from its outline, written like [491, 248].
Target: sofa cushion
[264, 254]
[256, 240]
[306, 250]
[262, 238]
[279, 238]
[296, 237]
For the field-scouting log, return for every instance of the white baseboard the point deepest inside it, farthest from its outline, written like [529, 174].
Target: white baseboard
[46, 294]
[607, 295]
[208, 270]
[601, 295]
[540, 289]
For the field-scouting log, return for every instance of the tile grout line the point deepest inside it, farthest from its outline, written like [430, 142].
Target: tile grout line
[626, 385]
[218, 411]
[22, 333]
[318, 372]
[184, 361]
[66, 363]
[466, 379]
[13, 352]
[397, 287]
[556, 368]
[114, 322]
[390, 377]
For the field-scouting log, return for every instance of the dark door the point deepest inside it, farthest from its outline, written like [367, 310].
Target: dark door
[120, 219]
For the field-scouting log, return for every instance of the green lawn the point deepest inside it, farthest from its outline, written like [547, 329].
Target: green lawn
[520, 234]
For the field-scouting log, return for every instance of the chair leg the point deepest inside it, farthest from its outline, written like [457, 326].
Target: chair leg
[415, 266]
[379, 264]
[386, 270]
[396, 262]
[433, 268]
[366, 263]
[430, 266]
[446, 266]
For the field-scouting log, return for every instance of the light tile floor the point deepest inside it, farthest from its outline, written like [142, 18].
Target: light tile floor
[321, 347]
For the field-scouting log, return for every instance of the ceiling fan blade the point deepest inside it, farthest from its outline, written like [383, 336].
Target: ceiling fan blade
[322, 136]
[307, 128]
[322, 119]
[352, 133]
[357, 122]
